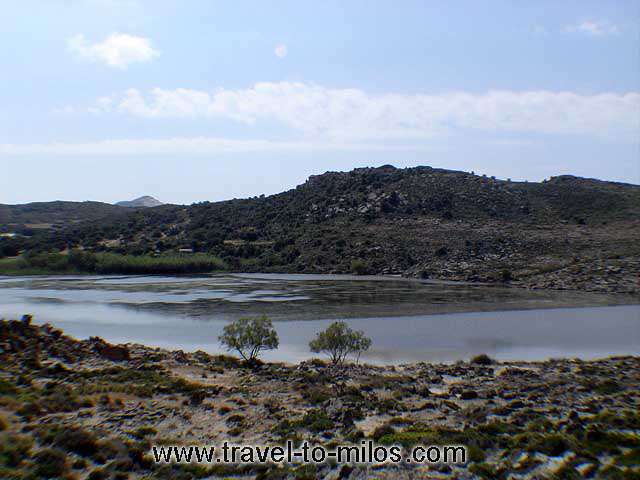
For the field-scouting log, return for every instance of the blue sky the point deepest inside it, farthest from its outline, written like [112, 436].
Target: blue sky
[201, 100]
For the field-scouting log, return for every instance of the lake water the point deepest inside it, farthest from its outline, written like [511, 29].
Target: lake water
[407, 320]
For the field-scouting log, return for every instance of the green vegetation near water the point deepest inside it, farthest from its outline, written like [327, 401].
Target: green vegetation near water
[103, 263]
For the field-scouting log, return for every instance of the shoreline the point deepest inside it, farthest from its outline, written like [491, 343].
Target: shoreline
[349, 276]
[496, 297]
[397, 340]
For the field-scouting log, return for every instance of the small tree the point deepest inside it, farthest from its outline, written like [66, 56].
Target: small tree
[249, 336]
[359, 267]
[338, 341]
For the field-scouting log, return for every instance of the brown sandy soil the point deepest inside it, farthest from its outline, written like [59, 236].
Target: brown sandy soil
[87, 409]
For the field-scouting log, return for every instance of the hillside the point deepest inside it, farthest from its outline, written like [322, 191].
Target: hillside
[568, 232]
[46, 215]
[61, 214]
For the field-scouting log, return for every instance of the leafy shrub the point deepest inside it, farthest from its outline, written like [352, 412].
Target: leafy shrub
[360, 267]
[317, 421]
[482, 359]
[235, 419]
[475, 441]
[285, 428]
[338, 341]
[607, 387]
[249, 336]
[316, 395]
[142, 432]
[98, 474]
[166, 264]
[381, 431]
[553, 444]
[386, 405]
[224, 409]
[14, 449]
[77, 260]
[484, 470]
[7, 388]
[50, 463]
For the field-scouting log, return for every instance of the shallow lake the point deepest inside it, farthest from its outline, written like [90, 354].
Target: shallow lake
[407, 320]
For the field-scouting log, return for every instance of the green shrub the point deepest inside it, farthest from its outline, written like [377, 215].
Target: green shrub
[475, 441]
[235, 419]
[482, 359]
[224, 409]
[78, 261]
[360, 267]
[142, 432]
[50, 463]
[552, 444]
[484, 470]
[338, 341]
[607, 387]
[630, 458]
[386, 405]
[7, 387]
[316, 395]
[317, 421]
[98, 474]
[308, 471]
[165, 264]
[14, 449]
[285, 428]
[381, 431]
[249, 336]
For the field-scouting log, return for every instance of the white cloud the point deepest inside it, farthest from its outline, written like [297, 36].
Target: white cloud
[352, 114]
[191, 145]
[281, 50]
[118, 50]
[593, 28]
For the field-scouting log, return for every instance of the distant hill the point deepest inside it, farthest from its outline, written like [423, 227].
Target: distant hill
[47, 215]
[145, 201]
[566, 232]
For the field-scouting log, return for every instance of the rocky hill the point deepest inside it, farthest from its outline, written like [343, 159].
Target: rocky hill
[567, 232]
[145, 201]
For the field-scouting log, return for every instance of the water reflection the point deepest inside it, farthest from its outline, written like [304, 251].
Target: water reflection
[189, 313]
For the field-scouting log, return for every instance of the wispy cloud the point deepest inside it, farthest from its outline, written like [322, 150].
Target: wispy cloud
[281, 50]
[193, 145]
[593, 28]
[118, 50]
[352, 114]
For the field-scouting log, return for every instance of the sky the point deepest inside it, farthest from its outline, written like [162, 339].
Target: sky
[194, 100]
